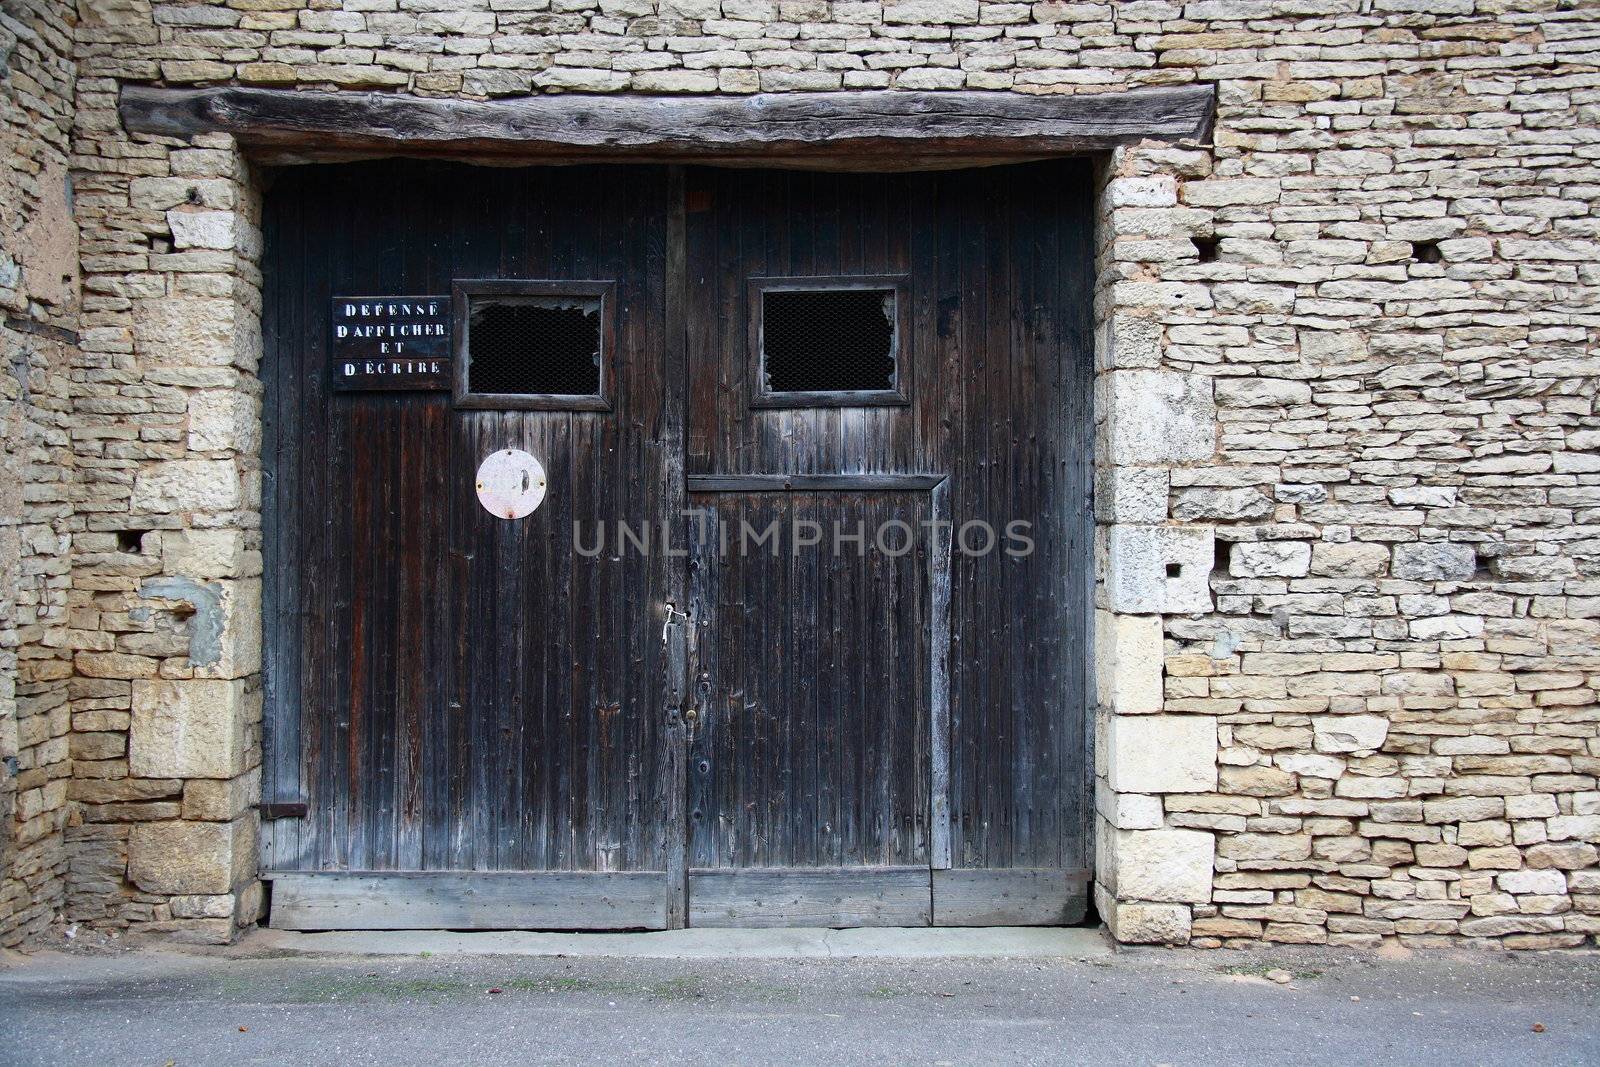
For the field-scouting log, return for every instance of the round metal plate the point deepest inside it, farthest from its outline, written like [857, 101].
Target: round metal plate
[511, 483]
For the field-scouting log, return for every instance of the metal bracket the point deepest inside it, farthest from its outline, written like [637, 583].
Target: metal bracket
[294, 809]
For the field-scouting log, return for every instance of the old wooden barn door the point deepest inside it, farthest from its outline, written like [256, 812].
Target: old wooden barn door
[729, 566]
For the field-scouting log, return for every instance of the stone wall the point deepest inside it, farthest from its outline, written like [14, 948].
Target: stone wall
[1349, 484]
[38, 307]
[1349, 401]
[166, 590]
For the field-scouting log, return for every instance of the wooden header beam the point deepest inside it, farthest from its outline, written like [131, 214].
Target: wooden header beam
[842, 130]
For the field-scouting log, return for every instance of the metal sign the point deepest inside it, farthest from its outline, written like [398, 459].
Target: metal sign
[511, 483]
[391, 342]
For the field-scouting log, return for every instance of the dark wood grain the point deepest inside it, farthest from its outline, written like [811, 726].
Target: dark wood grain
[862, 896]
[802, 757]
[479, 900]
[451, 692]
[856, 130]
[1016, 897]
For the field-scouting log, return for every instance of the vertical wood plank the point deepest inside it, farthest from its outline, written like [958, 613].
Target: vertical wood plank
[939, 536]
[673, 793]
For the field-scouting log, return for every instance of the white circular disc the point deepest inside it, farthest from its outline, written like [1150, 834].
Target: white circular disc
[511, 483]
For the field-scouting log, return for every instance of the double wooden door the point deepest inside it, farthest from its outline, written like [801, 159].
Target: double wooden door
[796, 636]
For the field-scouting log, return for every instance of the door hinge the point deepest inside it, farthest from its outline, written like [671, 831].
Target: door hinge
[295, 809]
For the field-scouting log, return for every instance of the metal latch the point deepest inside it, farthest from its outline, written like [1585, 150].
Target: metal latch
[294, 809]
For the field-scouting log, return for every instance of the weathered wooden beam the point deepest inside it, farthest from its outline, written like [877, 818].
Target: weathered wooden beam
[467, 900]
[810, 896]
[866, 130]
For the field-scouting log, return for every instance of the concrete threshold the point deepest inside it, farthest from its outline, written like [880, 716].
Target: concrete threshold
[789, 943]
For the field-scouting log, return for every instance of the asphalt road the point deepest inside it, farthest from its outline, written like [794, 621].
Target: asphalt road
[1143, 1007]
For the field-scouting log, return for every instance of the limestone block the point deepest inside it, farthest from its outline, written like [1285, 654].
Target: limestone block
[162, 194]
[1256, 781]
[203, 554]
[1257, 392]
[223, 420]
[1158, 417]
[1130, 494]
[1541, 883]
[1154, 190]
[1128, 662]
[930, 12]
[1574, 828]
[240, 640]
[221, 799]
[1128, 341]
[202, 229]
[191, 857]
[1263, 559]
[1159, 569]
[1149, 924]
[1352, 559]
[1225, 192]
[1170, 866]
[1265, 847]
[193, 332]
[1434, 561]
[203, 906]
[1566, 856]
[1446, 628]
[1349, 733]
[1531, 806]
[1308, 763]
[1161, 753]
[187, 728]
[1128, 811]
[188, 485]
[1222, 505]
[249, 901]
[1324, 347]
[1425, 496]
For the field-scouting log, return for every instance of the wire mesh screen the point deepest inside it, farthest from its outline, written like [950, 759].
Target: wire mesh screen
[535, 345]
[828, 341]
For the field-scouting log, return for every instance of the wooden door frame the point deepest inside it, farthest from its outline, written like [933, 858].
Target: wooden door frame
[860, 131]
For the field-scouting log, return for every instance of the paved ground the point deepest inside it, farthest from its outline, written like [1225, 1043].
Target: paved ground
[266, 1003]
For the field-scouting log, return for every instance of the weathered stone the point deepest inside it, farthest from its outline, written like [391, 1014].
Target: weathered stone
[1131, 494]
[1158, 569]
[188, 729]
[1159, 416]
[191, 857]
[1289, 559]
[1128, 661]
[188, 485]
[1149, 924]
[1542, 882]
[1349, 560]
[1161, 753]
[1261, 392]
[1172, 866]
[1434, 561]
[1349, 733]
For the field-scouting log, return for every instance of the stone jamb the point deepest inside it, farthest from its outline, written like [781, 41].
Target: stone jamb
[168, 708]
[195, 721]
[1149, 875]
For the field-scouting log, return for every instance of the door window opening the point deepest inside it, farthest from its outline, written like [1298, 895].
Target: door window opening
[532, 344]
[828, 342]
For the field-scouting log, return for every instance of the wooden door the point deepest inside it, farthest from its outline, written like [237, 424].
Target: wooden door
[475, 720]
[881, 736]
[469, 707]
